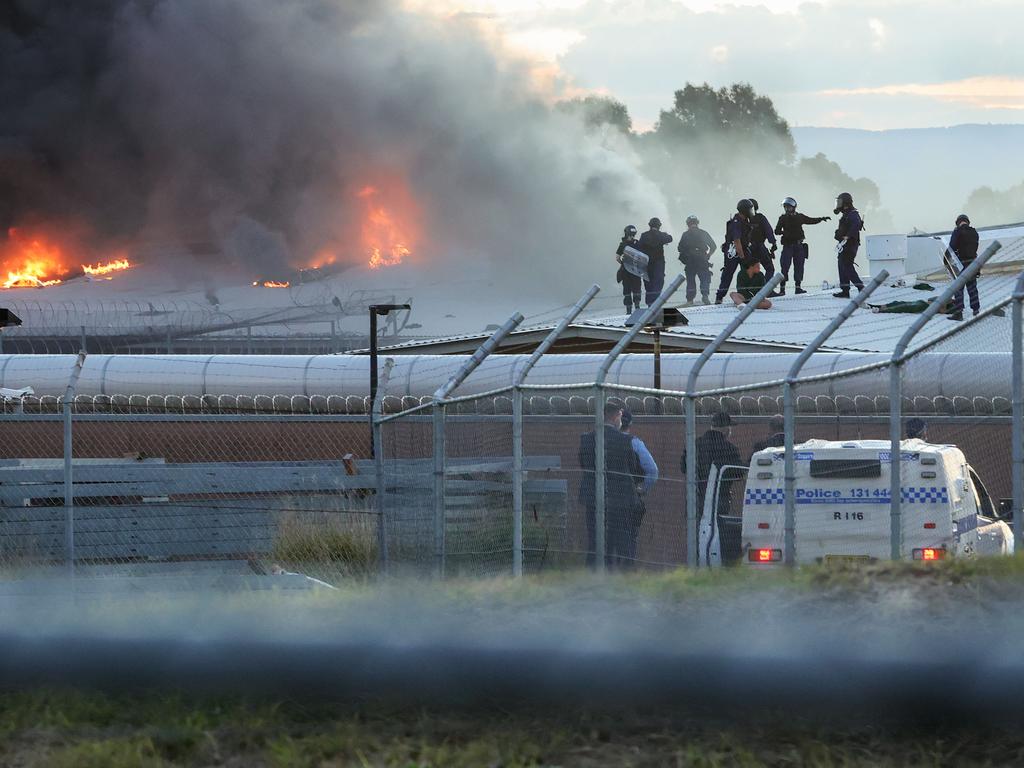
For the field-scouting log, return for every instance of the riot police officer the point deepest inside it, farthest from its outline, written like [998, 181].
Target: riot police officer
[760, 232]
[695, 249]
[794, 250]
[964, 243]
[736, 245]
[848, 241]
[631, 284]
[653, 242]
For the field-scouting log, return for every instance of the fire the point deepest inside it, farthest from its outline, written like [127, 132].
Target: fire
[271, 284]
[105, 269]
[31, 262]
[386, 237]
[36, 261]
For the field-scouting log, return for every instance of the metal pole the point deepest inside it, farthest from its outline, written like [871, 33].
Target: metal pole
[600, 397]
[69, 490]
[691, 414]
[789, 412]
[83, 347]
[439, 446]
[896, 394]
[657, 356]
[440, 507]
[376, 413]
[373, 373]
[518, 475]
[1018, 413]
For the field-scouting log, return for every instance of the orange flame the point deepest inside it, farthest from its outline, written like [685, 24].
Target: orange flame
[271, 284]
[385, 236]
[105, 269]
[31, 262]
[36, 261]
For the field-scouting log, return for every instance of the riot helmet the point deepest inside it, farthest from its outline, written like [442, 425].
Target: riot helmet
[844, 200]
[654, 223]
[963, 218]
[692, 220]
[629, 231]
[745, 206]
[789, 202]
[753, 202]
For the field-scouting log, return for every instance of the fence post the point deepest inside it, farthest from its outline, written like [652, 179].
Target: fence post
[439, 447]
[378, 460]
[691, 414]
[1018, 413]
[789, 412]
[517, 425]
[896, 362]
[69, 489]
[599, 401]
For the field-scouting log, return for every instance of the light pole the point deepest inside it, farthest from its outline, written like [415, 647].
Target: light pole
[375, 310]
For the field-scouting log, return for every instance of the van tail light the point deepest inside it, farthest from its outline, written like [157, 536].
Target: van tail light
[929, 553]
[765, 555]
[930, 526]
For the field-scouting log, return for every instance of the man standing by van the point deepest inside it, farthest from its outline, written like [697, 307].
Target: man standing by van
[623, 474]
[715, 450]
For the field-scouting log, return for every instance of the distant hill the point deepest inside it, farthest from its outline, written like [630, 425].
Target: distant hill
[925, 174]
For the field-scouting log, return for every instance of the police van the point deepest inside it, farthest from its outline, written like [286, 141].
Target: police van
[842, 506]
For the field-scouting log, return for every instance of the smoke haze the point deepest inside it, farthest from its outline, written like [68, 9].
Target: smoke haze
[259, 127]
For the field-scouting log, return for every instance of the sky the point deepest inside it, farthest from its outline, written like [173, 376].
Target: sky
[869, 64]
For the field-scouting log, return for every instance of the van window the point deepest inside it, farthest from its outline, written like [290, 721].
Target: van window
[846, 468]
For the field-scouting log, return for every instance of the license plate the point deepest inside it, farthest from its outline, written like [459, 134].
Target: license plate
[830, 559]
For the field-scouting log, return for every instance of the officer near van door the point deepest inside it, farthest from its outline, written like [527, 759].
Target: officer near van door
[653, 242]
[761, 232]
[736, 246]
[695, 249]
[964, 243]
[794, 250]
[848, 239]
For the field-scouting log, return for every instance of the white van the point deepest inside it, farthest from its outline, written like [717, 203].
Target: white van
[842, 506]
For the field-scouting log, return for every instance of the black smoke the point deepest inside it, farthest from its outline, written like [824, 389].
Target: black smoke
[251, 124]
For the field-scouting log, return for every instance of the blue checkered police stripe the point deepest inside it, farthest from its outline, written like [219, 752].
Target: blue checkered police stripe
[764, 496]
[933, 495]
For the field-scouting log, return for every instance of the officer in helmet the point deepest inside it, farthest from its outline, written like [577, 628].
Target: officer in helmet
[964, 243]
[848, 239]
[736, 245]
[653, 242]
[631, 285]
[794, 250]
[695, 249]
[761, 232]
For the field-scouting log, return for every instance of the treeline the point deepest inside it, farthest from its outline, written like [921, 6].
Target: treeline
[714, 146]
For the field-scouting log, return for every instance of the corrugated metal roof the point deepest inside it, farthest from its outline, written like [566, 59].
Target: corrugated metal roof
[797, 320]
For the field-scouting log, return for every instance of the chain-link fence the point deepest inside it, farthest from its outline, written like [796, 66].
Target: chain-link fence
[705, 469]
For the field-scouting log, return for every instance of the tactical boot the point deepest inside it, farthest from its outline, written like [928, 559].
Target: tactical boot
[841, 295]
[955, 316]
[782, 290]
[718, 300]
[705, 299]
[799, 290]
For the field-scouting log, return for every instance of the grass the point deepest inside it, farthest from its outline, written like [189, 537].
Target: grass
[141, 730]
[48, 727]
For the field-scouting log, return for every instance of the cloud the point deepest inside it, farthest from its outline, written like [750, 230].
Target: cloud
[980, 92]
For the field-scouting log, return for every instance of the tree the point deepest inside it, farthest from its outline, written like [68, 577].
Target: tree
[598, 111]
[996, 206]
[733, 114]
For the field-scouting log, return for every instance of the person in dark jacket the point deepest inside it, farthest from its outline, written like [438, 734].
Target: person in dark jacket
[848, 239]
[736, 246]
[631, 284]
[776, 437]
[714, 449]
[653, 242]
[623, 476]
[790, 228]
[695, 249]
[964, 243]
[761, 232]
